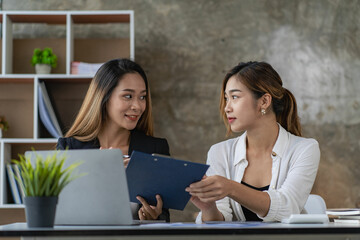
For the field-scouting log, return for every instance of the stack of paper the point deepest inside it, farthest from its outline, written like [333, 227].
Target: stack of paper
[306, 218]
[84, 68]
[46, 112]
[345, 215]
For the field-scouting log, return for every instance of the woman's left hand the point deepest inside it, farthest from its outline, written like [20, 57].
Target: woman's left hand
[148, 212]
[210, 189]
[126, 162]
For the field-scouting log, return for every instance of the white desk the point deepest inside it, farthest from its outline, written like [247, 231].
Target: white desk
[187, 231]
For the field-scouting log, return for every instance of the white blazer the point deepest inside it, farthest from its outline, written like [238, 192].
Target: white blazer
[294, 168]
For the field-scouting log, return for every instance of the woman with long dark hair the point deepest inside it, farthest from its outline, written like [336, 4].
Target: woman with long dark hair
[116, 113]
[267, 173]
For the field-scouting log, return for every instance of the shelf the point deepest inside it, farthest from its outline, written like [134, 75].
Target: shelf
[21, 147]
[38, 18]
[13, 206]
[11, 213]
[23, 51]
[18, 79]
[10, 149]
[28, 140]
[30, 77]
[17, 105]
[84, 36]
[59, 17]
[66, 106]
[66, 79]
[100, 18]
[72, 41]
[102, 50]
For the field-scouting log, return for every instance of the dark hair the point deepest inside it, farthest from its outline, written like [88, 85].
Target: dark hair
[93, 111]
[261, 78]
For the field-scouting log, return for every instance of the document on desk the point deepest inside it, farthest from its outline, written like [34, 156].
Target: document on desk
[306, 218]
[343, 211]
[148, 175]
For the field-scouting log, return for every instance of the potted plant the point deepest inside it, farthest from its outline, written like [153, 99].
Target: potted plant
[43, 60]
[4, 126]
[42, 183]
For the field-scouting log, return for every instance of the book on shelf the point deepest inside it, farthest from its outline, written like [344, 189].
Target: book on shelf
[47, 113]
[13, 185]
[79, 68]
[19, 180]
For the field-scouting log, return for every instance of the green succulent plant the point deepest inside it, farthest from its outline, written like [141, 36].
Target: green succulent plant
[46, 178]
[45, 56]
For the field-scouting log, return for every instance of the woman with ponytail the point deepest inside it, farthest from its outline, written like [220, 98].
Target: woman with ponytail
[267, 173]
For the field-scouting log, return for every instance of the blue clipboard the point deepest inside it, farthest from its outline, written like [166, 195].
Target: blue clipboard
[148, 175]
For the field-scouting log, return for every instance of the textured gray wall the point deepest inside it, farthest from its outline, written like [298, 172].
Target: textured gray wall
[187, 46]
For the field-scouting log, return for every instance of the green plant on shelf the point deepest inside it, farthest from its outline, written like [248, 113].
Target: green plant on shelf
[45, 56]
[3, 124]
[46, 178]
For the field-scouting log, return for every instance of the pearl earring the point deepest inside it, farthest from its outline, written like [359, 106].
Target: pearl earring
[263, 112]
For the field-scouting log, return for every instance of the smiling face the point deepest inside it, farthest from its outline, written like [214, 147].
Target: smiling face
[241, 107]
[127, 102]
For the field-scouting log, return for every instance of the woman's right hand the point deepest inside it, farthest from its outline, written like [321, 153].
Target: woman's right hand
[203, 206]
[200, 198]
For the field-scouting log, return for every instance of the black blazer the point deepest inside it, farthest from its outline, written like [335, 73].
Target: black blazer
[139, 141]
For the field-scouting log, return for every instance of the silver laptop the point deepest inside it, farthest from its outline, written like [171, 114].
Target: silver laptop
[100, 197]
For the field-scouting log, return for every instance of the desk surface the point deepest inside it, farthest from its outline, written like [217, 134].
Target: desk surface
[247, 228]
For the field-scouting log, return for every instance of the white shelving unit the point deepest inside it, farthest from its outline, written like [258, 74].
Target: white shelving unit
[19, 83]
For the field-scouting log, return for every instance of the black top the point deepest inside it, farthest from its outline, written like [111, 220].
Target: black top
[139, 141]
[250, 215]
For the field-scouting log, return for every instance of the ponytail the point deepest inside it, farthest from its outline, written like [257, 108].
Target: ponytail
[287, 116]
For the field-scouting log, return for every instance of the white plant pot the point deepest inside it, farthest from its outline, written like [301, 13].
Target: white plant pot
[42, 68]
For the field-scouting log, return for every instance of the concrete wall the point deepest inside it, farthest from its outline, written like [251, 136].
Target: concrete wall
[187, 46]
